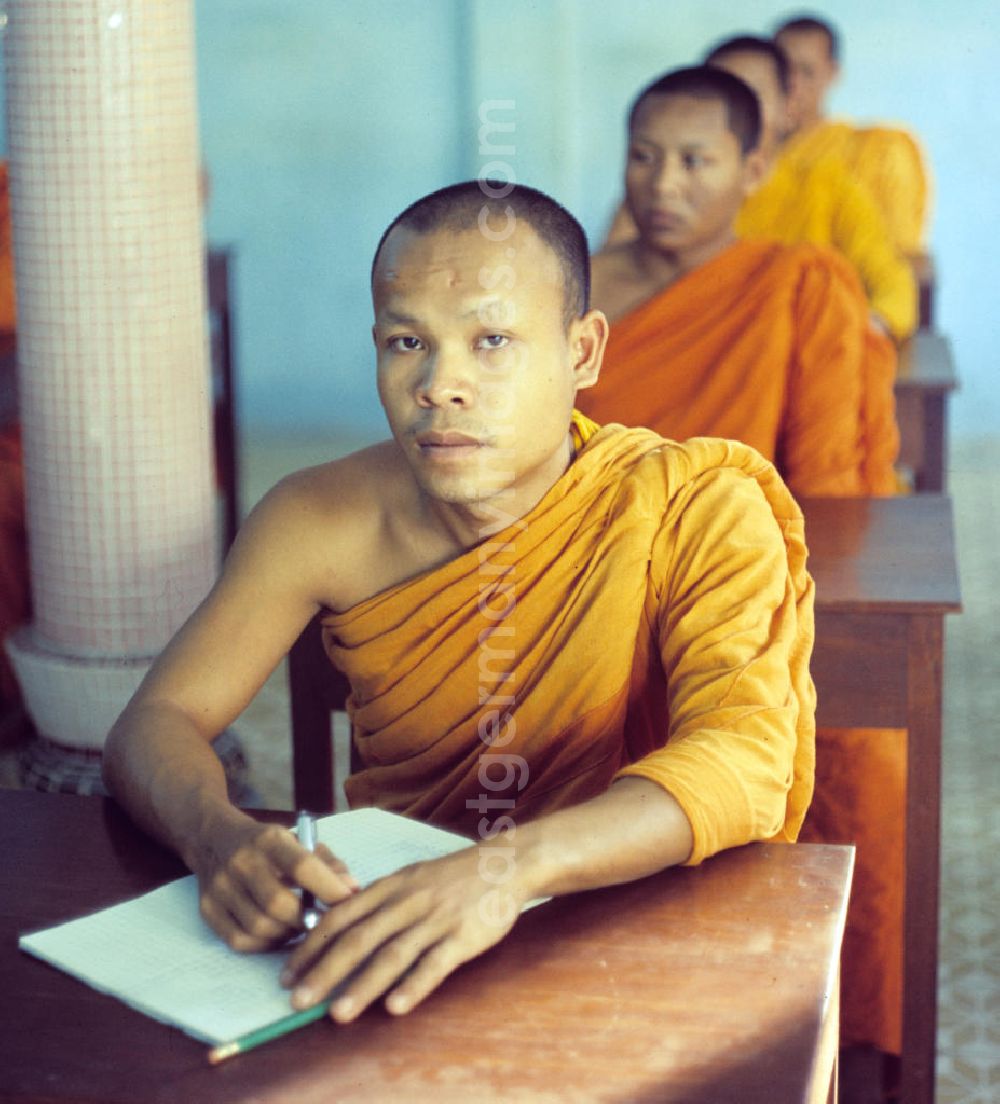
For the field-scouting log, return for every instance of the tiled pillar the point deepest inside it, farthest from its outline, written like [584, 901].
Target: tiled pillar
[112, 348]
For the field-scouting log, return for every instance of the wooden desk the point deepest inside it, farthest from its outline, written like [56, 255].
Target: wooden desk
[886, 575]
[711, 985]
[925, 378]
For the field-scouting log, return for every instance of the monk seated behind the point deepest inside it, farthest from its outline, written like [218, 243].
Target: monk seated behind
[770, 344]
[588, 647]
[766, 343]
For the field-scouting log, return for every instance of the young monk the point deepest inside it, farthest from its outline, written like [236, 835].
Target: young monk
[770, 344]
[470, 572]
[887, 160]
[766, 343]
[818, 202]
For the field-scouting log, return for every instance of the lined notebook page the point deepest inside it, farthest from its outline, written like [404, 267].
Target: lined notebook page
[156, 954]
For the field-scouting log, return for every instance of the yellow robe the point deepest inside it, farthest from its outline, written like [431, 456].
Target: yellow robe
[819, 202]
[888, 161]
[651, 616]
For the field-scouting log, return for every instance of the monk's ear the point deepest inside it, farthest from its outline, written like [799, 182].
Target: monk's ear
[754, 171]
[588, 337]
[374, 337]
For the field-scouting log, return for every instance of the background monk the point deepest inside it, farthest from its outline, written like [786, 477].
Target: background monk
[887, 160]
[770, 344]
[818, 202]
[471, 571]
[766, 343]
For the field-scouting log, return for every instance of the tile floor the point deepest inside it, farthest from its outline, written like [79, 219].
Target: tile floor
[969, 1019]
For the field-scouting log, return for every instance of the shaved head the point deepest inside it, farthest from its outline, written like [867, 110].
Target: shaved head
[494, 207]
[702, 82]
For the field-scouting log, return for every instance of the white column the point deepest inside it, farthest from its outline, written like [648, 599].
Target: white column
[112, 348]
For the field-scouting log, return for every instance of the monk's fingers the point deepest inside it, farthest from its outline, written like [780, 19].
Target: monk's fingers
[434, 966]
[298, 866]
[230, 927]
[338, 919]
[252, 881]
[330, 954]
[382, 970]
[338, 866]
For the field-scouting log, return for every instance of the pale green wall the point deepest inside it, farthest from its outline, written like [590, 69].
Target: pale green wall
[322, 118]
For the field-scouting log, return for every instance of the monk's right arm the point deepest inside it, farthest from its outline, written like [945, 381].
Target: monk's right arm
[159, 763]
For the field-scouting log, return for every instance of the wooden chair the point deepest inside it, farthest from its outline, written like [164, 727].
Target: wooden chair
[316, 688]
[220, 318]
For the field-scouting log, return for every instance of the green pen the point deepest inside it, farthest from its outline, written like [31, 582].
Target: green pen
[265, 1034]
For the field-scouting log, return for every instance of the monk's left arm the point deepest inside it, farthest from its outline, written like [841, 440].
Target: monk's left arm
[736, 630]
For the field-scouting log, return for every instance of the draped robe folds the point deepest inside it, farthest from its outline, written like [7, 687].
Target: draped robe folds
[758, 348]
[820, 202]
[770, 345]
[888, 161]
[650, 617]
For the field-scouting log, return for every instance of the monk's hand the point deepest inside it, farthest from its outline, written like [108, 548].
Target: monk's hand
[248, 876]
[402, 936]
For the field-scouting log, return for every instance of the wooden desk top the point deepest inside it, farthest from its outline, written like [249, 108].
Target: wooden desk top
[702, 985]
[883, 555]
[926, 363]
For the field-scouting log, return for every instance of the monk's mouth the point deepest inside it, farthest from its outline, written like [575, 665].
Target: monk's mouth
[449, 449]
[663, 220]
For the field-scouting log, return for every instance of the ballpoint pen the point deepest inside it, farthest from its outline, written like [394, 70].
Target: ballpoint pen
[305, 829]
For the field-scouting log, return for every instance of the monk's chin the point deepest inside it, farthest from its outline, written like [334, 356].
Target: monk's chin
[460, 491]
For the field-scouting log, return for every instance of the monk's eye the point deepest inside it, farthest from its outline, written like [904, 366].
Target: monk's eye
[493, 341]
[640, 156]
[404, 344]
[694, 161]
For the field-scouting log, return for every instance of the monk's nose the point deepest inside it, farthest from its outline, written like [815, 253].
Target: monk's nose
[446, 380]
[669, 179]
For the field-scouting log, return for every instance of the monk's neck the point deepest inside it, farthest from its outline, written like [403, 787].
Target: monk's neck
[812, 121]
[661, 267]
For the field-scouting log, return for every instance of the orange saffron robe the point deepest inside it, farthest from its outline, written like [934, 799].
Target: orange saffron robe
[651, 616]
[762, 344]
[770, 345]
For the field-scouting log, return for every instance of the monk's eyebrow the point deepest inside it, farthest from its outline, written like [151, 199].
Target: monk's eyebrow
[397, 318]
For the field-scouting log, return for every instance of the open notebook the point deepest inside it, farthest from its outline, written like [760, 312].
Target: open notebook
[156, 954]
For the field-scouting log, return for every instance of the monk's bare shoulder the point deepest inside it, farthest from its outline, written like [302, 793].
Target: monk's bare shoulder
[616, 283]
[328, 523]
